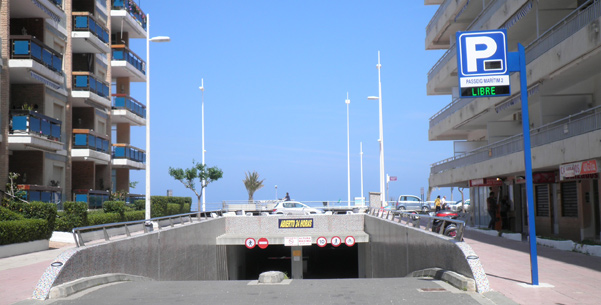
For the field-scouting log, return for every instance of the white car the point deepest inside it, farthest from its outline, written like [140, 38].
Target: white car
[457, 206]
[294, 208]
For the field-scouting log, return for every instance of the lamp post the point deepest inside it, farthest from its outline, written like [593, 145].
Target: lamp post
[348, 151]
[202, 103]
[148, 40]
[276, 192]
[381, 139]
[361, 153]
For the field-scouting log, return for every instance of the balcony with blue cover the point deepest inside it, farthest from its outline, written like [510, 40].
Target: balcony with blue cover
[88, 35]
[128, 110]
[30, 130]
[126, 15]
[90, 146]
[33, 62]
[125, 63]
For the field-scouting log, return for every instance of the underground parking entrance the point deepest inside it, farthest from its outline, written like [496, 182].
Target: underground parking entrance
[307, 262]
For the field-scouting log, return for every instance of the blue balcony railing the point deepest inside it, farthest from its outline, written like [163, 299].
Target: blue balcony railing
[58, 3]
[42, 193]
[93, 198]
[87, 139]
[83, 81]
[28, 47]
[133, 9]
[125, 151]
[121, 52]
[122, 101]
[85, 22]
[31, 122]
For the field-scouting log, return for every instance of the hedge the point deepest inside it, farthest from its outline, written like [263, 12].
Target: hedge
[173, 209]
[140, 204]
[6, 214]
[103, 218]
[114, 207]
[25, 230]
[35, 210]
[75, 214]
[135, 215]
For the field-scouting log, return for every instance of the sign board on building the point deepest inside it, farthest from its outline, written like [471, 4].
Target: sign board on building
[298, 241]
[486, 182]
[482, 63]
[295, 223]
[576, 169]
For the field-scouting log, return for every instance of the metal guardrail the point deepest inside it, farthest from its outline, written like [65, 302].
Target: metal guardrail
[106, 231]
[416, 220]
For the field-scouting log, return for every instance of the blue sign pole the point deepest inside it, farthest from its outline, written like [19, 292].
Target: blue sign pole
[517, 63]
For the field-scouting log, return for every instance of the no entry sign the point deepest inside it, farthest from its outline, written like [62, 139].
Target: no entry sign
[263, 243]
[250, 243]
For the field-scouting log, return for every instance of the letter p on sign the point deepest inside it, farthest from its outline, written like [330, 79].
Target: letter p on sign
[482, 53]
[474, 50]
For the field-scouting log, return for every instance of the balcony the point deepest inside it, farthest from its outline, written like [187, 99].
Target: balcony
[30, 130]
[127, 16]
[88, 35]
[126, 63]
[94, 198]
[567, 140]
[45, 9]
[451, 16]
[90, 146]
[127, 110]
[127, 156]
[87, 90]
[51, 194]
[32, 62]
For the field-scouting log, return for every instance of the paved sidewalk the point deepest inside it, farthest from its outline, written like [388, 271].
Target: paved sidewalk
[575, 277]
[20, 274]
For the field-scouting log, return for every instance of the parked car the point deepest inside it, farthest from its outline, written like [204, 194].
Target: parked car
[294, 208]
[457, 205]
[409, 202]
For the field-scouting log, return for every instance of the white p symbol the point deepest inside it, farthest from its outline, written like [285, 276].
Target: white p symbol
[472, 55]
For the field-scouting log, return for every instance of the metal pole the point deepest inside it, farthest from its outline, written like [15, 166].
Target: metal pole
[147, 194]
[202, 89]
[382, 189]
[361, 153]
[528, 165]
[348, 151]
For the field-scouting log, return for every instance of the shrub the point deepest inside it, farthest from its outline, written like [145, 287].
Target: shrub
[186, 208]
[114, 207]
[140, 205]
[35, 210]
[135, 215]
[6, 214]
[75, 214]
[103, 218]
[173, 209]
[158, 207]
[25, 230]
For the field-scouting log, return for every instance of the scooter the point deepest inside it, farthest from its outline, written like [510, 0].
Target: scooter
[450, 229]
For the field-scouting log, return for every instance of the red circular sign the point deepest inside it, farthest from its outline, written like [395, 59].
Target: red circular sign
[263, 243]
[349, 241]
[336, 241]
[250, 243]
[321, 241]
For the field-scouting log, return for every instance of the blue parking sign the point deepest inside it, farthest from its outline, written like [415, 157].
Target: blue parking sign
[482, 63]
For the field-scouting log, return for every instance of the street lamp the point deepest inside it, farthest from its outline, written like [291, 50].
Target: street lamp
[348, 151]
[381, 139]
[361, 153]
[276, 192]
[202, 103]
[148, 40]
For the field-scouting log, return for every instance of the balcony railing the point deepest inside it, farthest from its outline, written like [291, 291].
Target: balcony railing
[571, 126]
[51, 194]
[84, 81]
[31, 122]
[28, 47]
[85, 138]
[123, 101]
[58, 3]
[94, 198]
[121, 52]
[125, 151]
[133, 9]
[82, 21]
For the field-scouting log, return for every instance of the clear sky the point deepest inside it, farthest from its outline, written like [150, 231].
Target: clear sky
[276, 75]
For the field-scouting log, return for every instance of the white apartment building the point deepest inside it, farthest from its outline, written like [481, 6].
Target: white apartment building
[563, 55]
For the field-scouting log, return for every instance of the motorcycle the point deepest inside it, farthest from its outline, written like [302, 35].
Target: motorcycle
[450, 229]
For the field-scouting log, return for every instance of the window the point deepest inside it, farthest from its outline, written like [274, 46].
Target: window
[542, 200]
[569, 199]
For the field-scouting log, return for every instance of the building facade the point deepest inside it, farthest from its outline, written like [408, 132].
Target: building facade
[563, 62]
[66, 112]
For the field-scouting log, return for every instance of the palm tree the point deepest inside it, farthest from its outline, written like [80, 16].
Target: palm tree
[252, 184]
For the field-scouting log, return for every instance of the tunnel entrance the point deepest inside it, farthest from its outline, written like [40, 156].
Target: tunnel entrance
[318, 263]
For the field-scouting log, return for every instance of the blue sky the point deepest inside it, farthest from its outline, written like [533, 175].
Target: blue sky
[276, 75]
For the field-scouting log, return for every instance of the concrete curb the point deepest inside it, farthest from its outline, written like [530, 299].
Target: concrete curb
[459, 281]
[67, 289]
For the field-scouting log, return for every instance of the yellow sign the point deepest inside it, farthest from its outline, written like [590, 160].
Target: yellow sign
[295, 223]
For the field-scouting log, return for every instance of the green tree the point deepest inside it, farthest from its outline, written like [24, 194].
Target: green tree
[197, 171]
[252, 184]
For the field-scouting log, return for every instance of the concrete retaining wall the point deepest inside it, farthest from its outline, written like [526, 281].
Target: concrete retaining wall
[396, 250]
[182, 253]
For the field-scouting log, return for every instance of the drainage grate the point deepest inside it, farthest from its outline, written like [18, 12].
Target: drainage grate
[431, 289]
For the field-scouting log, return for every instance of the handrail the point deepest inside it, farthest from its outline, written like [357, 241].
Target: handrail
[124, 101]
[413, 218]
[29, 47]
[77, 232]
[32, 122]
[128, 56]
[90, 24]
